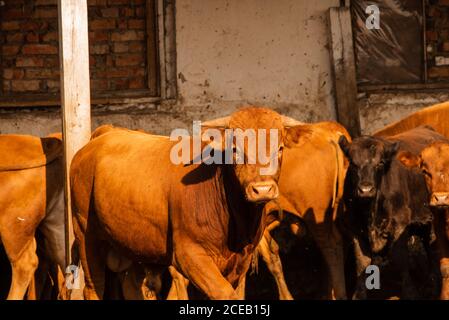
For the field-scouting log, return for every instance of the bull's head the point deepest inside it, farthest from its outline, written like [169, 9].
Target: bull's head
[434, 164]
[257, 179]
[369, 159]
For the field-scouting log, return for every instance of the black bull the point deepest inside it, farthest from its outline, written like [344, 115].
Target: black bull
[388, 218]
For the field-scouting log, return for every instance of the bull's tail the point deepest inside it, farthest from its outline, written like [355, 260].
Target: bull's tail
[339, 178]
[336, 175]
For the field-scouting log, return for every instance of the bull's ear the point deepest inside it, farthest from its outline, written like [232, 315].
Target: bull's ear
[291, 137]
[213, 144]
[391, 150]
[295, 135]
[214, 137]
[344, 145]
[288, 122]
[408, 159]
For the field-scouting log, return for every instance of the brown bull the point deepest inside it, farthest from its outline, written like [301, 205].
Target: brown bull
[205, 220]
[31, 196]
[311, 186]
[434, 163]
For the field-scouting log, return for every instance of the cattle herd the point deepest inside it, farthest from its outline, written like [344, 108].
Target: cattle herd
[147, 228]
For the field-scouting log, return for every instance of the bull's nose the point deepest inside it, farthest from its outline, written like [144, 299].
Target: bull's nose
[439, 199]
[262, 191]
[366, 190]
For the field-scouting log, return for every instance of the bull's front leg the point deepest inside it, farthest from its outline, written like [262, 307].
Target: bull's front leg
[441, 224]
[199, 267]
[330, 243]
[241, 287]
[269, 250]
[362, 261]
[178, 289]
[444, 268]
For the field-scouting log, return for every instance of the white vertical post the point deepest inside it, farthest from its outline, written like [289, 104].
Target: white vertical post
[75, 92]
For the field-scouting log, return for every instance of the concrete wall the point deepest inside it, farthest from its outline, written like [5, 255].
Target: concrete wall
[256, 51]
[231, 53]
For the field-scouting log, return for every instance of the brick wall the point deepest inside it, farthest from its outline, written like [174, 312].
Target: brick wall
[29, 46]
[437, 35]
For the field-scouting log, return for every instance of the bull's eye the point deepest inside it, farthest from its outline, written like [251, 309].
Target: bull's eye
[427, 173]
[281, 149]
[234, 154]
[380, 164]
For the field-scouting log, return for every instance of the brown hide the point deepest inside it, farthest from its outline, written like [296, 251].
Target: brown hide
[26, 152]
[129, 196]
[107, 128]
[311, 185]
[31, 184]
[312, 180]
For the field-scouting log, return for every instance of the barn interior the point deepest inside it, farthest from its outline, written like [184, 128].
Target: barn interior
[157, 65]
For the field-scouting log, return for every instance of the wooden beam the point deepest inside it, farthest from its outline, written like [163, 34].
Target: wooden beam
[424, 39]
[152, 48]
[405, 87]
[167, 48]
[170, 48]
[75, 92]
[342, 55]
[161, 49]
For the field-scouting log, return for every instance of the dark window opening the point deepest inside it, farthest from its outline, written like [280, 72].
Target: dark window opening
[122, 48]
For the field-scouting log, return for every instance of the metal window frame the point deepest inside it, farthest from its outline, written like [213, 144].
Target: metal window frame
[424, 86]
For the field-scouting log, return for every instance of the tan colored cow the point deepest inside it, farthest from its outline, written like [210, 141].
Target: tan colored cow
[311, 182]
[311, 186]
[205, 220]
[31, 196]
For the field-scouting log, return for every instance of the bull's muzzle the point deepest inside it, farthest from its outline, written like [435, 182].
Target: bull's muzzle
[366, 191]
[439, 199]
[262, 191]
